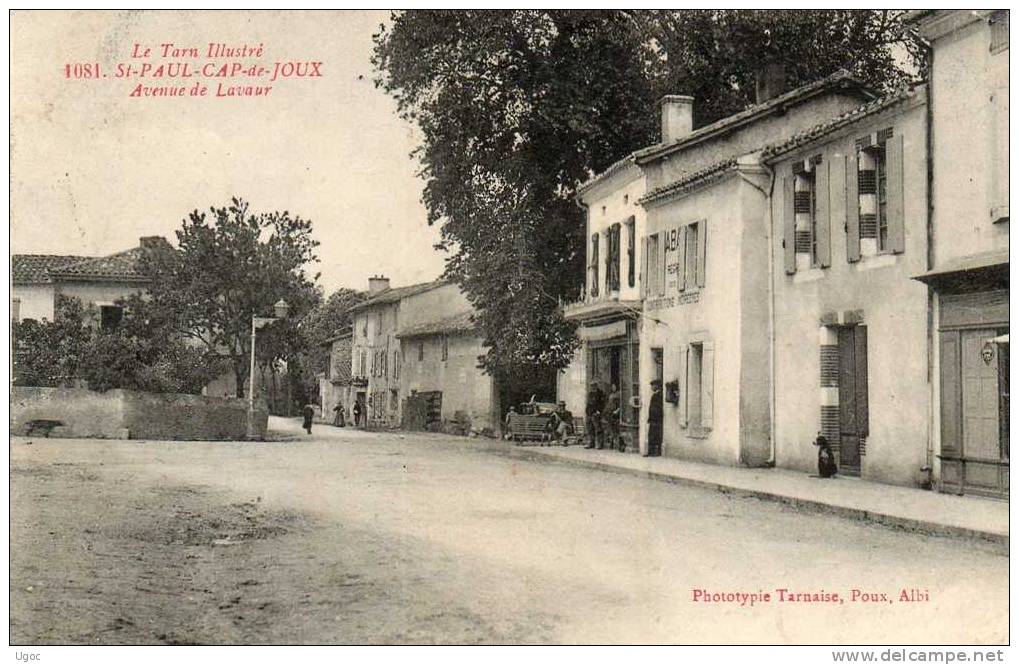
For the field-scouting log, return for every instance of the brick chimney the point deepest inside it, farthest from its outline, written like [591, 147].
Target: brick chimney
[377, 284]
[769, 81]
[677, 117]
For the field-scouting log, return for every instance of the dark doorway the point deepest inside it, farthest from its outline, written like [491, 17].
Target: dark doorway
[853, 411]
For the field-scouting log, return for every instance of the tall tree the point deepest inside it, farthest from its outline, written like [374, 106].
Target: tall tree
[518, 107]
[231, 264]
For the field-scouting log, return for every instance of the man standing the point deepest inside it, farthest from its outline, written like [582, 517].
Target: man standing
[654, 420]
[309, 415]
[595, 406]
[358, 410]
[610, 418]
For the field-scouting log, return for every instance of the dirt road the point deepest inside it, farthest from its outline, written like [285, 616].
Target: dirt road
[350, 537]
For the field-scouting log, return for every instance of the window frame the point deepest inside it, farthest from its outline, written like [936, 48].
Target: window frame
[691, 269]
[445, 348]
[631, 252]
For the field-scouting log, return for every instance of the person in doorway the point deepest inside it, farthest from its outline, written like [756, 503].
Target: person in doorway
[339, 417]
[309, 415]
[593, 411]
[358, 412]
[610, 419]
[655, 415]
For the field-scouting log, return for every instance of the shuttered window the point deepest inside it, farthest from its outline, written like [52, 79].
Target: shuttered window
[789, 224]
[613, 258]
[852, 209]
[643, 266]
[594, 265]
[631, 252]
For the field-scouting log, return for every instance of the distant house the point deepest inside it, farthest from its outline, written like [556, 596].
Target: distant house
[38, 279]
[334, 383]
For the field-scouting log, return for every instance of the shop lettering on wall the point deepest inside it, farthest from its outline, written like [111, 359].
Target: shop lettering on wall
[666, 302]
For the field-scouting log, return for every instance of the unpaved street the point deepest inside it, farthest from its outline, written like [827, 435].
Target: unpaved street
[354, 537]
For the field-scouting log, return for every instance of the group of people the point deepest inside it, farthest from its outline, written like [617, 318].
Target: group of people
[340, 414]
[604, 415]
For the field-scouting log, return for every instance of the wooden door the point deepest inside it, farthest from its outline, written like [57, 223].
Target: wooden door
[984, 447]
[853, 404]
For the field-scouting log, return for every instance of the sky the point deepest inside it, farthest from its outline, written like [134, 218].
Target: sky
[94, 169]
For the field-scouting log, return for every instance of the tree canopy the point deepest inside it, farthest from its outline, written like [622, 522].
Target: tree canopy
[518, 107]
[231, 264]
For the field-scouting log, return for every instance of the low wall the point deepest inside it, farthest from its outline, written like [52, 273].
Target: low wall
[127, 414]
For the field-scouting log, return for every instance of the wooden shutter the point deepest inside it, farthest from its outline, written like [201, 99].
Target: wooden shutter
[896, 203]
[662, 246]
[951, 394]
[707, 385]
[862, 411]
[643, 267]
[836, 199]
[681, 259]
[789, 224]
[702, 251]
[684, 384]
[823, 212]
[852, 208]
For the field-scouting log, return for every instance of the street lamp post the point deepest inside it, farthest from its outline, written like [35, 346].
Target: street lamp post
[280, 309]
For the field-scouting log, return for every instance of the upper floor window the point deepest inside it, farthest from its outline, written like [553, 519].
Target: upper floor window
[421, 350]
[693, 270]
[445, 347]
[999, 30]
[612, 258]
[654, 260]
[110, 316]
[594, 265]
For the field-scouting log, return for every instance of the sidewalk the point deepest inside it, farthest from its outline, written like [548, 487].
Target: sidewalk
[902, 507]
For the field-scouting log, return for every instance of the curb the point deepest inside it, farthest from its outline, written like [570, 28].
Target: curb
[808, 505]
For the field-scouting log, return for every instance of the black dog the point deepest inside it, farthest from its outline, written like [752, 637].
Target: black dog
[826, 467]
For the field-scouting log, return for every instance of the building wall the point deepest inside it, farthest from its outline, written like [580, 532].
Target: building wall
[714, 316]
[464, 387]
[614, 201]
[374, 334]
[770, 129]
[36, 301]
[878, 288]
[969, 88]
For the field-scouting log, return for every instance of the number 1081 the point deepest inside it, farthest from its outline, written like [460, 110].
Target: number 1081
[82, 70]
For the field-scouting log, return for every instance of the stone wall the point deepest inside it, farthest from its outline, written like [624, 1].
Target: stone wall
[127, 414]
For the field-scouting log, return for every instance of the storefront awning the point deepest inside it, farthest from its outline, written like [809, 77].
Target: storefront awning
[970, 273]
[602, 332]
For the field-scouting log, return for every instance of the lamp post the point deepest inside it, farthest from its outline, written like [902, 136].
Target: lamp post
[280, 309]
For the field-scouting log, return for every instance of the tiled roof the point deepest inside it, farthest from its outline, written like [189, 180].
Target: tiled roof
[126, 265]
[35, 268]
[607, 173]
[823, 129]
[462, 322]
[688, 181]
[395, 295]
[838, 80]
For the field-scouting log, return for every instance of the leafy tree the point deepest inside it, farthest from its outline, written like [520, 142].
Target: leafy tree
[229, 265]
[324, 321]
[49, 353]
[518, 107]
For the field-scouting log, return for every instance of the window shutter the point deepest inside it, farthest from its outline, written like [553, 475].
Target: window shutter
[862, 410]
[822, 190]
[702, 251]
[684, 385]
[896, 207]
[643, 267]
[789, 225]
[708, 385]
[852, 208]
[681, 259]
[836, 199]
[951, 394]
[661, 264]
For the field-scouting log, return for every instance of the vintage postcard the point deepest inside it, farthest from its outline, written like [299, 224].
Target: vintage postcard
[515, 327]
